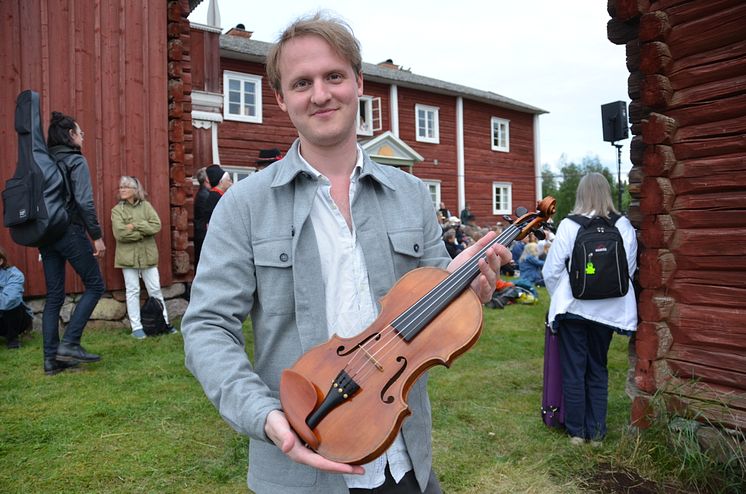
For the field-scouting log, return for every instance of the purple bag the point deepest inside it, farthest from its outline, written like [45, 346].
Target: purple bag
[552, 402]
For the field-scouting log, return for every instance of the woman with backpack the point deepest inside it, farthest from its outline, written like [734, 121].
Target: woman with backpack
[135, 223]
[586, 318]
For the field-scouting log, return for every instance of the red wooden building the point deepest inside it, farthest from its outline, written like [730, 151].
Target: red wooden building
[687, 63]
[469, 146]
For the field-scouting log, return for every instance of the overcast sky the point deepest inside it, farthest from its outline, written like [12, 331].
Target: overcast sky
[549, 54]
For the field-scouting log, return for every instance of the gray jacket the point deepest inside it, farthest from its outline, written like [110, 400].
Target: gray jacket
[260, 259]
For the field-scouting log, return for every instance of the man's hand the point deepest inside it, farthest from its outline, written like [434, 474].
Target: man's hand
[279, 431]
[99, 248]
[496, 256]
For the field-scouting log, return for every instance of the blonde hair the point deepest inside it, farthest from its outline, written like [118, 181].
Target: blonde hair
[594, 196]
[133, 183]
[531, 249]
[334, 31]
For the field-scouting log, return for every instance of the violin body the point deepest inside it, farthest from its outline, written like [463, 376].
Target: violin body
[384, 366]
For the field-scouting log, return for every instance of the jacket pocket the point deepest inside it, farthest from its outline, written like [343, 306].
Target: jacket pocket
[273, 261]
[408, 246]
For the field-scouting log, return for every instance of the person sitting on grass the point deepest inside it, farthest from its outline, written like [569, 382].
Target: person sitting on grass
[15, 316]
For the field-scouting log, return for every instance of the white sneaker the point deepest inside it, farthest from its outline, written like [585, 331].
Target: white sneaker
[577, 441]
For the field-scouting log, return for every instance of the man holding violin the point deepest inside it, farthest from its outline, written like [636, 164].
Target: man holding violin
[303, 248]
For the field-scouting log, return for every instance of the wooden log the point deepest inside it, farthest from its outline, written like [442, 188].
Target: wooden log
[634, 85]
[645, 375]
[717, 56]
[709, 242]
[703, 93]
[716, 146]
[716, 70]
[734, 126]
[704, 366]
[642, 413]
[705, 412]
[656, 92]
[709, 111]
[726, 182]
[636, 149]
[725, 278]
[660, 266]
[708, 326]
[655, 58]
[724, 202]
[658, 129]
[711, 292]
[637, 113]
[653, 340]
[630, 9]
[707, 32]
[657, 195]
[657, 231]
[654, 26]
[683, 12]
[714, 393]
[710, 263]
[632, 51]
[707, 218]
[654, 306]
[658, 161]
[620, 32]
[703, 167]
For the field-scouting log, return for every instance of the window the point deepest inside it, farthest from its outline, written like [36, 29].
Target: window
[434, 187]
[427, 123]
[502, 198]
[238, 172]
[500, 134]
[242, 97]
[369, 115]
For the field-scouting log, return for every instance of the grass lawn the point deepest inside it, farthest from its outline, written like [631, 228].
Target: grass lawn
[139, 422]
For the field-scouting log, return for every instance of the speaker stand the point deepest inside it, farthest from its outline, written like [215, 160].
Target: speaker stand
[619, 172]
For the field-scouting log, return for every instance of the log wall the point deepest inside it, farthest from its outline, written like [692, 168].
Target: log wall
[687, 63]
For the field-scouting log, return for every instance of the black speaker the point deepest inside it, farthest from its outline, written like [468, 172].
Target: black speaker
[614, 120]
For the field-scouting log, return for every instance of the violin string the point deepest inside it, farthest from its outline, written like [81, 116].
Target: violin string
[432, 300]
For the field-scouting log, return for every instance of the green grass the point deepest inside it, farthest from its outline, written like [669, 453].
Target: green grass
[139, 422]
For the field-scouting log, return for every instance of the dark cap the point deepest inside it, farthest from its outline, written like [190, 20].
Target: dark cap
[214, 174]
[268, 156]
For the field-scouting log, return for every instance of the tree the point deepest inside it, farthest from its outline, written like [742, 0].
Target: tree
[548, 182]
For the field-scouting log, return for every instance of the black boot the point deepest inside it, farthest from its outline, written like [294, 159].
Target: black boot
[53, 366]
[68, 352]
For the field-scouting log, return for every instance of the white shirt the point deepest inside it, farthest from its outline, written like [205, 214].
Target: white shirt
[620, 312]
[350, 307]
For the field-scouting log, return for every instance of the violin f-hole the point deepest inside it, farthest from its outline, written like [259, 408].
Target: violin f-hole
[390, 399]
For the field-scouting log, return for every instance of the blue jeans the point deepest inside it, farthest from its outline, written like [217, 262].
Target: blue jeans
[73, 247]
[584, 346]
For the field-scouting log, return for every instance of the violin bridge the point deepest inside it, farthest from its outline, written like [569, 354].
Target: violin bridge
[343, 387]
[372, 359]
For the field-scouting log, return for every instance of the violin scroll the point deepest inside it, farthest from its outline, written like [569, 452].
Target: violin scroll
[545, 209]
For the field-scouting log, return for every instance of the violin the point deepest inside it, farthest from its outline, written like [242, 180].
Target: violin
[346, 398]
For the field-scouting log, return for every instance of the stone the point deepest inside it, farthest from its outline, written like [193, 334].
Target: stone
[176, 308]
[109, 309]
[173, 291]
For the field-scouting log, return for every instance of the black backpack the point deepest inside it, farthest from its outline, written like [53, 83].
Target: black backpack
[35, 199]
[151, 317]
[598, 264]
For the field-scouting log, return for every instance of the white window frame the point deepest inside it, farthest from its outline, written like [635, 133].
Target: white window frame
[422, 133]
[507, 188]
[502, 138]
[238, 172]
[244, 79]
[433, 186]
[372, 108]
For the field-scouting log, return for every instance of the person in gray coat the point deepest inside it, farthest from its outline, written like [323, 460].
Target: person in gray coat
[303, 248]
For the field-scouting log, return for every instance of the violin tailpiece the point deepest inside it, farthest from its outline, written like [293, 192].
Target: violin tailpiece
[343, 387]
